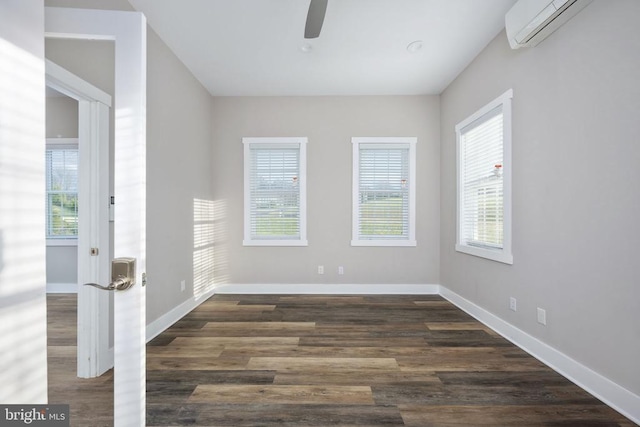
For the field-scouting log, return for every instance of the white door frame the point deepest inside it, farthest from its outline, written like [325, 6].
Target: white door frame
[94, 353]
[129, 31]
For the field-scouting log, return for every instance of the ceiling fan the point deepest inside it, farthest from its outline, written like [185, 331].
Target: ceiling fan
[315, 18]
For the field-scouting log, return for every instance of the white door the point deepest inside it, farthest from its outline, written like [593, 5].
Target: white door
[128, 29]
[23, 311]
[95, 355]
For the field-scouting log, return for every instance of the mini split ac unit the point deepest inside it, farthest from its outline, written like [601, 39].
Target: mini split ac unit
[529, 22]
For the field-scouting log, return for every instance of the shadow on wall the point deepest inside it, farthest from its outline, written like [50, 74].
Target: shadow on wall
[220, 257]
[209, 253]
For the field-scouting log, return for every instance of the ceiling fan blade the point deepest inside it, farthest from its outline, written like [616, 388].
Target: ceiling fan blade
[315, 18]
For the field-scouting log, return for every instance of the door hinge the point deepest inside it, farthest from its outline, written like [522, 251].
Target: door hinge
[94, 251]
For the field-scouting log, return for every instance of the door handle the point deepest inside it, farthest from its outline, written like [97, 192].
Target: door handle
[123, 275]
[120, 284]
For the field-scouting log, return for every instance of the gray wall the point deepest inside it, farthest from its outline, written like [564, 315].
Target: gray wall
[178, 155]
[178, 174]
[576, 158]
[62, 117]
[329, 123]
[62, 122]
[62, 264]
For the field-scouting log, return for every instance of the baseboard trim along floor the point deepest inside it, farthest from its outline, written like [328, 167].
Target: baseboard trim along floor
[328, 289]
[62, 288]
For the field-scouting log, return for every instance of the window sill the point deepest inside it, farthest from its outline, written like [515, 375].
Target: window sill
[494, 255]
[389, 243]
[275, 243]
[62, 242]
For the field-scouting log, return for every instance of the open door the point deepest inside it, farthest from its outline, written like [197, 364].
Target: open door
[128, 30]
[95, 356]
[23, 312]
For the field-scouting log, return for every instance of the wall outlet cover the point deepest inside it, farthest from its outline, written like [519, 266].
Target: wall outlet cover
[542, 316]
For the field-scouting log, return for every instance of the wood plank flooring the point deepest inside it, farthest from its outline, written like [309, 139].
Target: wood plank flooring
[90, 400]
[267, 360]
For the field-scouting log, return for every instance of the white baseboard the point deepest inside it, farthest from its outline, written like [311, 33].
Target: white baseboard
[324, 289]
[62, 288]
[106, 362]
[619, 398]
[163, 322]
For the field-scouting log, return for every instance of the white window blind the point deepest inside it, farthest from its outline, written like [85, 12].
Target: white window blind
[384, 202]
[61, 193]
[483, 187]
[274, 192]
[484, 146]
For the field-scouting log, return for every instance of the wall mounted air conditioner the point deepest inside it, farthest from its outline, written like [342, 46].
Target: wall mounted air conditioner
[529, 22]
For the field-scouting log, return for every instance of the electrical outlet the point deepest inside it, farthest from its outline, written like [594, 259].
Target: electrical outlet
[321, 269]
[183, 285]
[542, 316]
[513, 304]
[340, 270]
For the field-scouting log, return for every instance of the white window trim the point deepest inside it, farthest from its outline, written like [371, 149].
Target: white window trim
[300, 142]
[505, 254]
[355, 240]
[64, 241]
[61, 144]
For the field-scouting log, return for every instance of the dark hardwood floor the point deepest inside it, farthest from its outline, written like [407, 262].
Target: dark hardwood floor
[90, 400]
[240, 360]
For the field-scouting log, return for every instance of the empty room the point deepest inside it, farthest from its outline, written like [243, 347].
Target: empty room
[320, 212]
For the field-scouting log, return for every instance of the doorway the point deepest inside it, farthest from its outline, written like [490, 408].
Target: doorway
[61, 178]
[128, 29]
[80, 168]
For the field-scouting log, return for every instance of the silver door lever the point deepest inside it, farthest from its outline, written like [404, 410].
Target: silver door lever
[123, 275]
[120, 284]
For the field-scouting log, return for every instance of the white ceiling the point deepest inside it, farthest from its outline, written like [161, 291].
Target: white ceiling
[253, 47]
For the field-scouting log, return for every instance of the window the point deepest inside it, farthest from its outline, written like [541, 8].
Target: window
[61, 192]
[384, 191]
[275, 191]
[484, 182]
